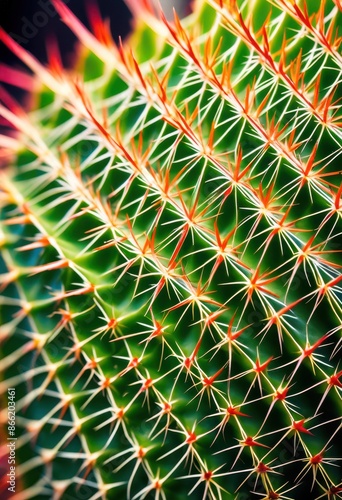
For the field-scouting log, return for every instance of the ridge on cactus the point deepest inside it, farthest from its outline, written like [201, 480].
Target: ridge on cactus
[170, 257]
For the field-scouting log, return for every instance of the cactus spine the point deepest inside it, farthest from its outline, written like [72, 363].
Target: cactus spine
[170, 277]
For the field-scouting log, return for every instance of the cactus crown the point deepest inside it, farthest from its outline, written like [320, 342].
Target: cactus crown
[171, 292]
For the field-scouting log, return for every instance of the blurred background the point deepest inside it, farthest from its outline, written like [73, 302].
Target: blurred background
[30, 22]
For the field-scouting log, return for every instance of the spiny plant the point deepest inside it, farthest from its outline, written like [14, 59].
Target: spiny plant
[170, 237]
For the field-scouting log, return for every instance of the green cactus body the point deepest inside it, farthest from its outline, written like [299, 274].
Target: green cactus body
[171, 287]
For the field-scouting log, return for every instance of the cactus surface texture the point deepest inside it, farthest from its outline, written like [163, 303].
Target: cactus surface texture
[170, 267]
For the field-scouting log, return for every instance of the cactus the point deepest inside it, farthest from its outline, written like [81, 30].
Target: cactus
[170, 277]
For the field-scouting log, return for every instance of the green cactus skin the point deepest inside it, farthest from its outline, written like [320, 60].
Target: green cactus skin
[170, 238]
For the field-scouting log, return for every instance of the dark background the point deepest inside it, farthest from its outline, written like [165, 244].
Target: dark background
[30, 22]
